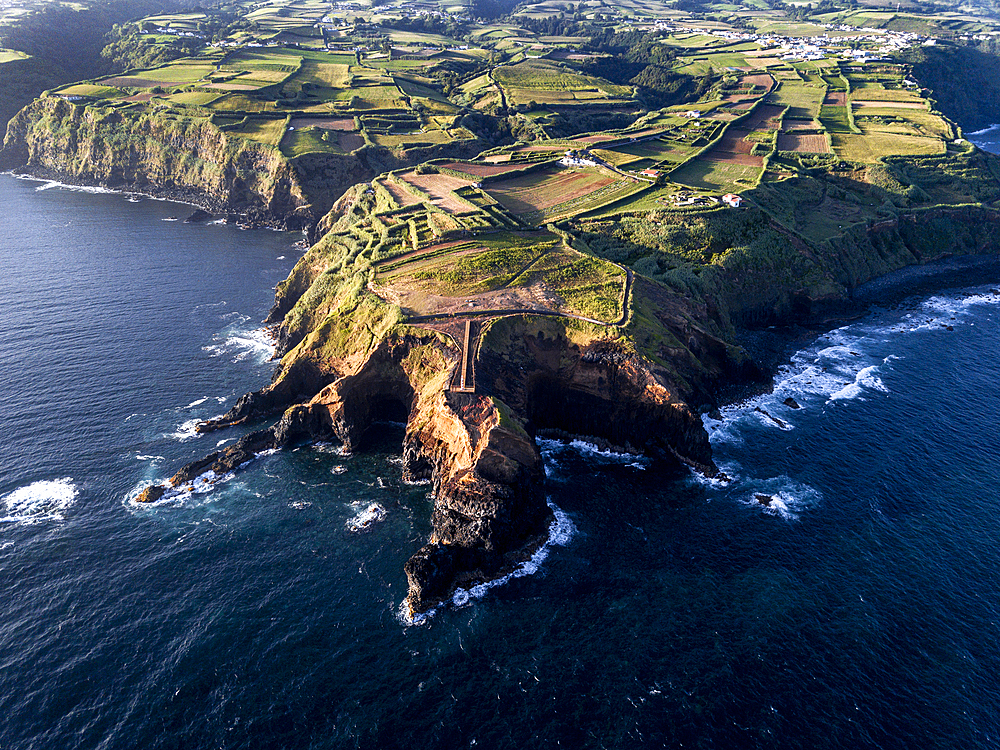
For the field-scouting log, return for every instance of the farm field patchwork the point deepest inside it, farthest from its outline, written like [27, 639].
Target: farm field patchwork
[440, 189]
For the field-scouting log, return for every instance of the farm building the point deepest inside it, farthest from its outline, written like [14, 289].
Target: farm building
[732, 200]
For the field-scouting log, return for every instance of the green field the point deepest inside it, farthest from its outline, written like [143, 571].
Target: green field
[802, 99]
[716, 176]
[835, 119]
[264, 130]
[544, 82]
[193, 98]
[872, 145]
[698, 65]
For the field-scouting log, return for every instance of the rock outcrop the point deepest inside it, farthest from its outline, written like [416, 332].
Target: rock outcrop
[489, 511]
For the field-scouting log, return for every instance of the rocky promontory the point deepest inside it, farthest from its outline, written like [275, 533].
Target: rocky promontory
[393, 314]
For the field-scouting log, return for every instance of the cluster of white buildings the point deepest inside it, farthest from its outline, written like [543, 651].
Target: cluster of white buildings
[878, 43]
[174, 32]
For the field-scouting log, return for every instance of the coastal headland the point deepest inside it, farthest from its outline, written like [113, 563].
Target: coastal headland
[486, 274]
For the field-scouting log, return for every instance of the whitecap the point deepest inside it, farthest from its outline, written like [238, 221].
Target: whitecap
[197, 403]
[243, 344]
[322, 446]
[866, 378]
[985, 130]
[548, 447]
[45, 500]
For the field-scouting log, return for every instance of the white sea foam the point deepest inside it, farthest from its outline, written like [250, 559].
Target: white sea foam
[549, 447]
[865, 379]
[185, 430]
[985, 130]
[366, 516]
[181, 495]
[197, 403]
[50, 184]
[324, 447]
[148, 458]
[242, 344]
[561, 532]
[46, 500]
[788, 497]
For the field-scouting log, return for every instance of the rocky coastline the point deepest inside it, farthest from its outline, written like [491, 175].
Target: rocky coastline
[534, 376]
[211, 207]
[349, 358]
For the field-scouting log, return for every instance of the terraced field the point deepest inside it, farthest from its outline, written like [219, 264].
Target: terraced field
[556, 192]
[804, 143]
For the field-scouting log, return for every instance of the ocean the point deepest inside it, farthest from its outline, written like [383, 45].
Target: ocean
[858, 608]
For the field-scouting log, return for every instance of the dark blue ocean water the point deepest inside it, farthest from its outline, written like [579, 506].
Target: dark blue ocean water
[860, 609]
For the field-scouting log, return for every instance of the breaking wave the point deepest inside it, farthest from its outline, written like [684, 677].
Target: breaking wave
[561, 532]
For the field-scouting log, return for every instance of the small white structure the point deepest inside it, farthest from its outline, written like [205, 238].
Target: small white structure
[732, 200]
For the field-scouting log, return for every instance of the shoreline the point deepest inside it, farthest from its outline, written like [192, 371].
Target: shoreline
[186, 197]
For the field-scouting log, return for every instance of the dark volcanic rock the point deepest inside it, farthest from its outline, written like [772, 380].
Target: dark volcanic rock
[198, 217]
[791, 403]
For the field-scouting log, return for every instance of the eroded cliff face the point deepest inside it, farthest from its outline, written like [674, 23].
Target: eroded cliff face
[489, 509]
[186, 158]
[479, 452]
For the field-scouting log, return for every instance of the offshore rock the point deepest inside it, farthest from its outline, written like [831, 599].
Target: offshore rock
[198, 217]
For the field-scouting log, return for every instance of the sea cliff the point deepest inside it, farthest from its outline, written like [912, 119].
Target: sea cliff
[165, 155]
[186, 157]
